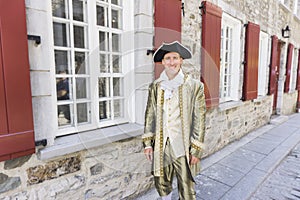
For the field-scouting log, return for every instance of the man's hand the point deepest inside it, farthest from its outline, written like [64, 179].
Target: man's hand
[194, 160]
[149, 153]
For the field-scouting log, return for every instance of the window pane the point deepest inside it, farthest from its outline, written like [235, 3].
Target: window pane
[104, 87]
[60, 34]
[116, 64]
[104, 63]
[101, 16]
[59, 8]
[63, 88]
[118, 108]
[103, 41]
[80, 66]
[78, 10]
[104, 110]
[117, 86]
[117, 2]
[115, 43]
[79, 37]
[82, 113]
[81, 88]
[115, 18]
[61, 62]
[64, 114]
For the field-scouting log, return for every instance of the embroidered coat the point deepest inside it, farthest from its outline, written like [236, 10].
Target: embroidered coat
[192, 114]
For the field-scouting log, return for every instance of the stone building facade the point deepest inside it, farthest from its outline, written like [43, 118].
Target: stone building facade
[107, 161]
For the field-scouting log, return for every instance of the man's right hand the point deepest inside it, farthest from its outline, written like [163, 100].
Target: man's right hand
[149, 153]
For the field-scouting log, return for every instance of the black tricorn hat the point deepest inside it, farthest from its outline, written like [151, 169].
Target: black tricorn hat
[171, 47]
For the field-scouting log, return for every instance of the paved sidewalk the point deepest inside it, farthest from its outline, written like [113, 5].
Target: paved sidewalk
[239, 169]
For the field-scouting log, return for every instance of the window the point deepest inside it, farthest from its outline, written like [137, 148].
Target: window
[89, 63]
[263, 64]
[230, 58]
[294, 70]
[285, 2]
[297, 8]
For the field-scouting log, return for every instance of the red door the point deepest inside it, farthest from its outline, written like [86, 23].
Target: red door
[277, 77]
[274, 70]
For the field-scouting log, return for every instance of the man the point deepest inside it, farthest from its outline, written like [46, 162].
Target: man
[174, 124]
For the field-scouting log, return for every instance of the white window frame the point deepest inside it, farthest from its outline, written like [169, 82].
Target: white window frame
[264, 55]
[297, 8]
[293, 76]
[234, 82]
[127, 59]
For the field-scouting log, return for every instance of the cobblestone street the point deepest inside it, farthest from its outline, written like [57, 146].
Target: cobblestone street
[284, 182]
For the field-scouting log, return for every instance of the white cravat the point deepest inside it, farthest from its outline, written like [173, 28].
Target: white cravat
[169, 86]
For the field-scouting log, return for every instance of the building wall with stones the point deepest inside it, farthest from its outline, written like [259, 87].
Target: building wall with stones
[118, 169]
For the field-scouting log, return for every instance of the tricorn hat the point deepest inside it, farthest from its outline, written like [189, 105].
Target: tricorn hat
[171, 47]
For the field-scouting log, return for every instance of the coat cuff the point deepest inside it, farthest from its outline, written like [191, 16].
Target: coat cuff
[196, 151]
[148, 139]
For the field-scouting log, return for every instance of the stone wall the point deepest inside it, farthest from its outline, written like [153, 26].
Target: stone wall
[115, 171]
[289, 103]
[225, 125]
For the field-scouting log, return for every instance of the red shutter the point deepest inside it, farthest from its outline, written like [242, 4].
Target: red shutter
[288, 68]
[167, 23]
[210, 54]
[251, 62]
[298, 77]
[273, 65]
[19, 137]
[3, 113]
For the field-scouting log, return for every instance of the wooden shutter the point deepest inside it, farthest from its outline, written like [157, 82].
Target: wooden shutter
[3, 112]
[251, 62]
[273, 65]
[18, 138]
[298, 74]
[288, 67]
[167, 23]
[210, 52]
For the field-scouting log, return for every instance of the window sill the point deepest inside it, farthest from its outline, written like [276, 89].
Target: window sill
[260, 98]
[287, 9]
[85, 140]
[296, 17]
[229, 105]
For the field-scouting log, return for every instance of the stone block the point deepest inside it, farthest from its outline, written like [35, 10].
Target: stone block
[9, 183]
[144, 23]
[44, 116]
[40, 83]
[223, 174]
[144, 7]
[41, 57]
[244, 188]
[206, 188]
[38, 5]
[238, 163]
[15, 163]
[52, 170]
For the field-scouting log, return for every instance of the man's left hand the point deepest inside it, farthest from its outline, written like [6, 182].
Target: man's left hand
[194, 160]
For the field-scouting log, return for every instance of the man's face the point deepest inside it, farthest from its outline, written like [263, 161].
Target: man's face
[172, 63]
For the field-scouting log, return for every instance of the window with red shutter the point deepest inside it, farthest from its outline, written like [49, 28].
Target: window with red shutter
[288, 68]
[251, 62]
[167, 23]
[210, 54]
[17, 137]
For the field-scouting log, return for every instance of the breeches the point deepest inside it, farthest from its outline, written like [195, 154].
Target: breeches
[179, 167]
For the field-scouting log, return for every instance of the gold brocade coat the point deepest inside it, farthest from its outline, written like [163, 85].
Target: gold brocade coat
[192, 114]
